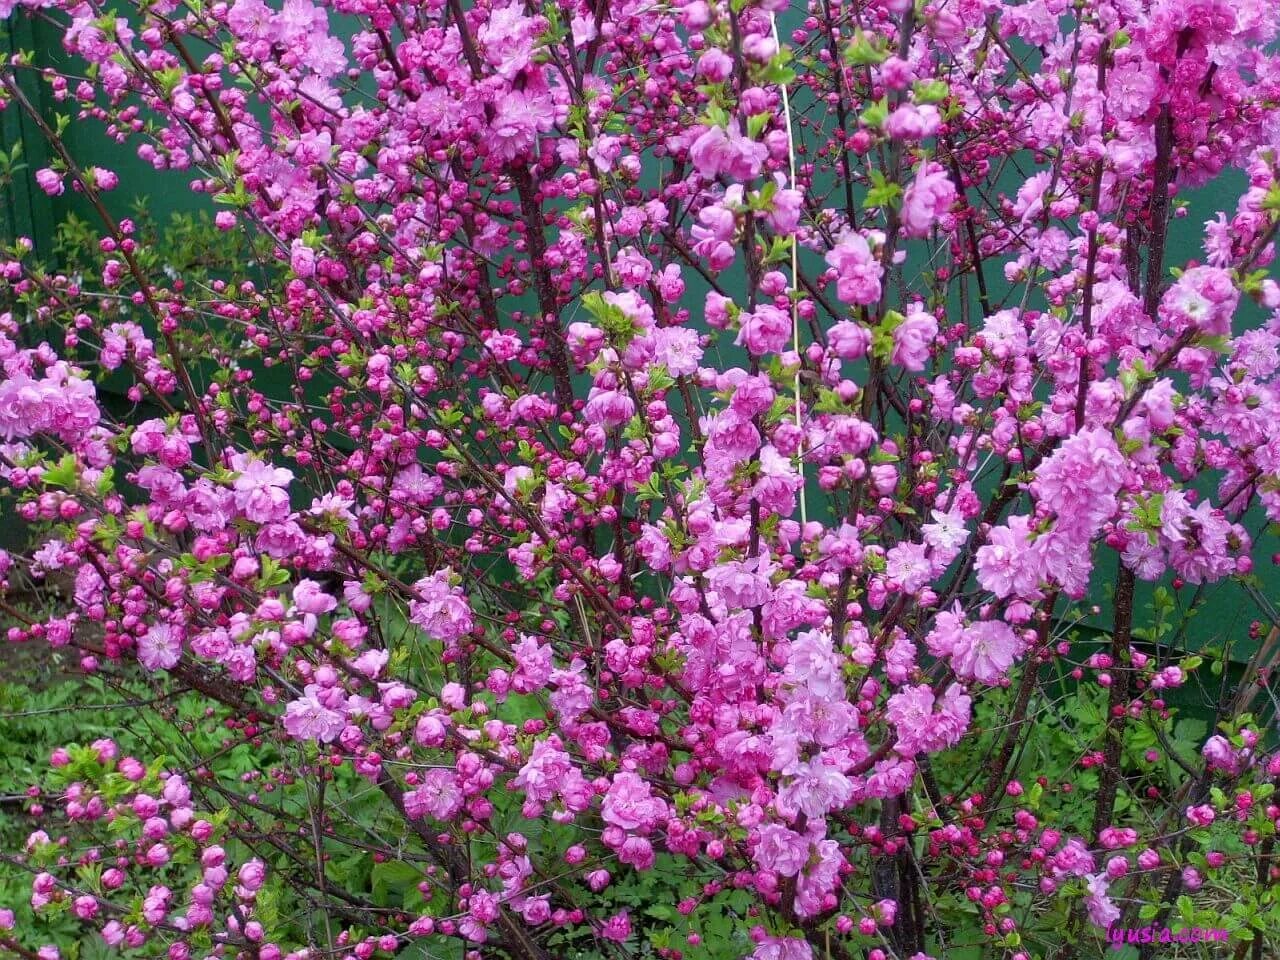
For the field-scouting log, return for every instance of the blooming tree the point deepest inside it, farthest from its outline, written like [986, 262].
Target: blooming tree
[660, 442]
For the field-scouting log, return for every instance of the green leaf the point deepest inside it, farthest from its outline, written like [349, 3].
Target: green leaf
[394, 882]
[776, 72]
[63, 474]
[876, 114]
[610, 317]
[756, 124]
[930, 91]
[169, 79]
[1034, 796]
[882, 193]
[866, 53]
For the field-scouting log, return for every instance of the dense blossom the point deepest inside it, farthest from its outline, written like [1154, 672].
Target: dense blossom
[604, 447]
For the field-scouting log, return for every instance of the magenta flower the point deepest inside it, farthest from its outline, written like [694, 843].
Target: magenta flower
[519, 119]
[857, 271]
[913, 339]
[260, 489]
[765, 330]
[924, 202]
[782, 948]
[50, 181]
[630, 804]
[160, 647]
[307, 718]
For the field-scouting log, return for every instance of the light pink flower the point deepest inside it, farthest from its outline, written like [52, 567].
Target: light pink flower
[857, 271]
[913, 339]
[629, 804]
[160, 647]
[928, 197]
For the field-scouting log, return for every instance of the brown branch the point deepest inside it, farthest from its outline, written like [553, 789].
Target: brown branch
[1117, 702]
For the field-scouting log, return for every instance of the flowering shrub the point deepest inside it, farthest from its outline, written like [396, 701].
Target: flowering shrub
[620, 478]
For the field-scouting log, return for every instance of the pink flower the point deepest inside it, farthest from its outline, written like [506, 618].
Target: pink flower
[781, 850]
[913, 339]
[713, 233]
[634, 307]
[584, 30]
[784, 215]
[439, 796]
[1079, 482]
[585, 341]
[817, 786]
[848, 340]
[716, 309]
[519, 118]
[1221, 755]
[670, 283]
[252, 874]
[945, 534]
[1205, 297]
[1102, 911]
[630, 805]
[533, 665]
[677, 349]
[718, 151]
[507, 39]
[547, 769]
[857, 271]
[765, 330]
[309, 598]
[1131, 88]
[734, 436]
[751, 396]
[609, 408]
[782, 948]
[605, 151]
[913, 123]
[50, 181]
[920, 729]
[617, 928]
[715, 65]
[260, 489]
[597, 880]
[1030, 199]
[907, 566]
[637, 852]
[442, 610]
[157, 855]
[1001, 563]
[1201, 816]
[741, 584]
[160, 648]
[633, 267]
[252, 20]
[60, 404]
[928, 197]
[371, 663]
[309, 719]
[985, 651]
[103, 179]
[1074, 859]
[302, 259]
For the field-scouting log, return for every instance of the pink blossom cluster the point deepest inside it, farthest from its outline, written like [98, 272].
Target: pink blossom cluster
[647, 437]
